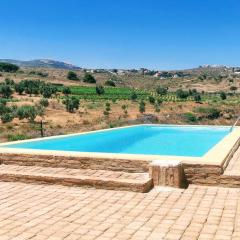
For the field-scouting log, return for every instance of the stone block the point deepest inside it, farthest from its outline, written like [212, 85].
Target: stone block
[167, 173]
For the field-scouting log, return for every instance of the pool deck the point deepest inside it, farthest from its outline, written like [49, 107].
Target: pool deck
[55, 212]
[42, 212]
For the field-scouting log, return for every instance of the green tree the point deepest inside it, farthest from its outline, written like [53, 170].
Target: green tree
[133, 96]
[100, 89]
[9, 82]
[182, 94]
[6, 91]
[151, 100]
[71, 104]
[66, 90]
[28, 112]
[32, 86]
[3, 101]
[19, 88]
[72, 76]
[159, 101]
[47, 90]
[7, 117]
[8, 67]
[161, 90]
[7, 114]
[88, 78]
[197, 98]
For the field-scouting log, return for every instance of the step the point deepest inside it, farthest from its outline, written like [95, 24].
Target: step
[72, 160]
[114, 180]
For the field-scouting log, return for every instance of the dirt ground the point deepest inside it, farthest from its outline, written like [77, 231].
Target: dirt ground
[90, 116]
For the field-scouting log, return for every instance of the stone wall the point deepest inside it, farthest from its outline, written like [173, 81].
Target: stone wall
[75, 162]
[202, 174]
[192, 173]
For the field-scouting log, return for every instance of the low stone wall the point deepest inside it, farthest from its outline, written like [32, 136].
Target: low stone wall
[74, 162]
[181, 176]
[202, 174]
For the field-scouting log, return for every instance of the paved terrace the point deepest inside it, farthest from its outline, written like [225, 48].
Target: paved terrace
[40, 212]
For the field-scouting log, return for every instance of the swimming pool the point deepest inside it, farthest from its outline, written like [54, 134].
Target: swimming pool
[190, 141]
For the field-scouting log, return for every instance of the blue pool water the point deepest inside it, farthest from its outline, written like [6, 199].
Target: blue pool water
[148, 139]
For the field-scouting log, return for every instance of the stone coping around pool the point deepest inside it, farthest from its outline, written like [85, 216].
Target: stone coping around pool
[218, 155]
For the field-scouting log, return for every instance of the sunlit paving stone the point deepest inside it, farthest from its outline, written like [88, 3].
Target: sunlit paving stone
[58, 212]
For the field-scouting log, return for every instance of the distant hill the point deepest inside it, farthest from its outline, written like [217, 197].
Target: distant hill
[46, 63]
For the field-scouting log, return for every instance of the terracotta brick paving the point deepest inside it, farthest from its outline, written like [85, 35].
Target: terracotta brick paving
[57, 212]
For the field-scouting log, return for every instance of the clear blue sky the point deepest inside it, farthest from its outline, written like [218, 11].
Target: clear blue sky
[158, 34]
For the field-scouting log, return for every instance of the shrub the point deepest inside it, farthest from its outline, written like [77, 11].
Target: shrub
[72, 76]
[44, 102]
[7, 117]
[17, 137]
[161, 90]
[151, 99]
[19, 88]
[197, 98]
[182, 94]
[42, 74]
[110, 83]
[71, 104]
[209, 112]
[66, 90]
[47, 90]
[7, 114]
[88, 78]
[192, 92]
[233, 88]
[189, 117]
[6, 91]
[100, 89]
[223, 95]
[32, 86]
[28, 112]
[142, 106]
[107, 110]
[3, 108]
[159, 101]
[8, 67]
[133, 96]
[3, 101]
[108, 106]
[9, 82]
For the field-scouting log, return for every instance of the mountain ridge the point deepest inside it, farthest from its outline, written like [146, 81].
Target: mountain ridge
[47, 63]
